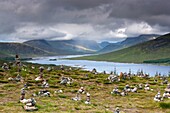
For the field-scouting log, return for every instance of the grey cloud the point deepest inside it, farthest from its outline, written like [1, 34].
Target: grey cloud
[37, 32]
[102, 15]
[151, 11]
[60, 10]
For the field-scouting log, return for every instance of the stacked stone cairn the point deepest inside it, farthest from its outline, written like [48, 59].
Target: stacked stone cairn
[30, 104]
[78, 95]
[158, 97]
[66, 80]
[87, 98]
[40, 78]
[45, 84]
[5, 66]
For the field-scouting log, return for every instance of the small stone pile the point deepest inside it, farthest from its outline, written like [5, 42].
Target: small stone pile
[87, 99]
[30, 104]
[40, 78]
[158, 97]
[78, 95]
[66, 80]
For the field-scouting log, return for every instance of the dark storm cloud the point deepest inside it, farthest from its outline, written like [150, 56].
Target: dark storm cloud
[98, 16]
[151, 11]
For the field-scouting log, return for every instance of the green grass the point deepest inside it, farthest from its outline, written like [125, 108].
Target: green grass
[62, 96]
[165, 105]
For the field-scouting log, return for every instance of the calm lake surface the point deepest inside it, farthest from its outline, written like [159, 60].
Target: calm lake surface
[103, 66]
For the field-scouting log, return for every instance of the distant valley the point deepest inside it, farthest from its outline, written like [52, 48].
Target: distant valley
[144, 48]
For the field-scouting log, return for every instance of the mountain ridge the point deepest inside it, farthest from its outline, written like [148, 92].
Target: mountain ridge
[130, 41]
[65, 47]
[150, 50]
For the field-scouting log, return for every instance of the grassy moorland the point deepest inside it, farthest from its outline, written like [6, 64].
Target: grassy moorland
[96, 84]
[148, 51]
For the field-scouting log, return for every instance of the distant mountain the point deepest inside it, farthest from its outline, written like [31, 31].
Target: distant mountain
[41, 44]
[11, 49]
[43, 47]
[90, 44]
[104, 44]
[66, 47]
[158, 48]
[127, 43]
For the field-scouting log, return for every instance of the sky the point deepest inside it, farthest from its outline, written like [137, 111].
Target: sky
[22, 20]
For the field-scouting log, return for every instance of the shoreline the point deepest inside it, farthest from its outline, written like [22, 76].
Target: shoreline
[80, 58]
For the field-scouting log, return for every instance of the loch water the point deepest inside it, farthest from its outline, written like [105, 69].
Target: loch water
[103, 65]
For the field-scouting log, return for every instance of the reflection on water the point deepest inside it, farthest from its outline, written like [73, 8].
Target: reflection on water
[102, 65]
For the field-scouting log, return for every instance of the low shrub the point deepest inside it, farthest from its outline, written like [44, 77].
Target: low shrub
[62, 96]
[164, 105]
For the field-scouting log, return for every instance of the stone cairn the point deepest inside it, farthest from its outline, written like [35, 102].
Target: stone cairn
[5, 66]
[49, 69]
[94, 71]
[66, 80]
[41, 71]
[30, 104]
[40, 78]
[77, 98]
[62, 67]
[45, 84]
[115, 91]
[127, 88]
[158, 97]
[78, 95]
[81, 90]
[44, 92]
[147, 87]
[17, 63]
[22, 94]
[87, 99]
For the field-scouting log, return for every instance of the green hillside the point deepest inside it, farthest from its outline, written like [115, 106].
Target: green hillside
[24, 50]
[151, 50]
[130, 41]
[41, 47]
[65, 47]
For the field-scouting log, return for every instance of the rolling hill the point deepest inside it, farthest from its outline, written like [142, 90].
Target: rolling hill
[158, 48]
[65, 47]
[11, 49]
[127, 43]
[41, 47]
